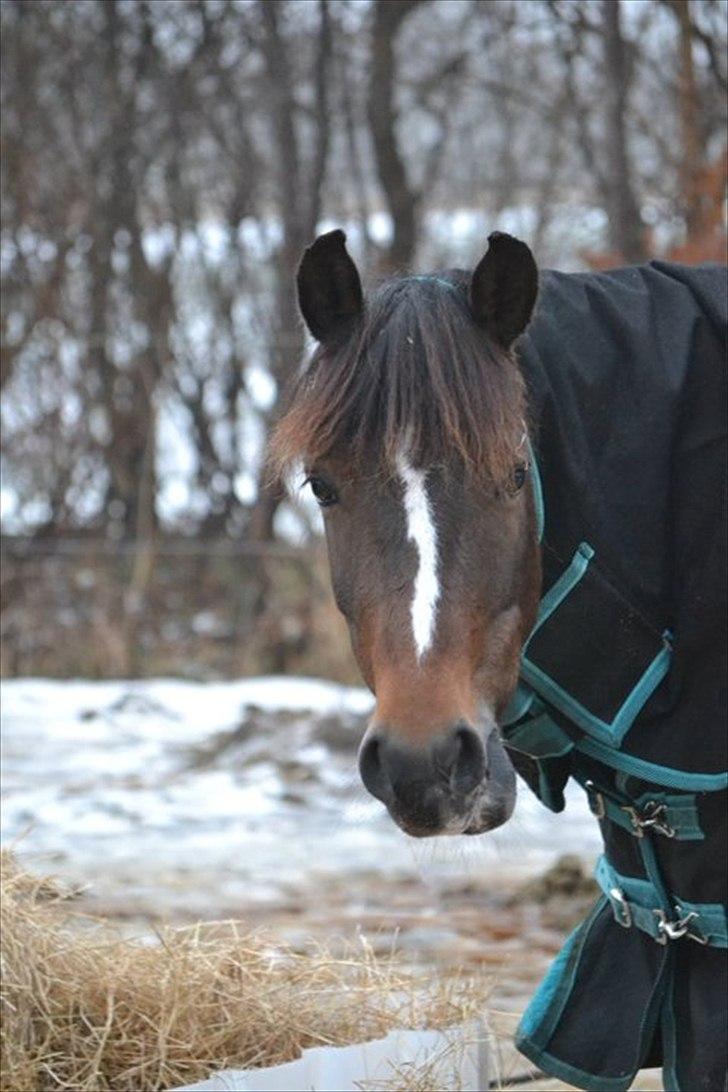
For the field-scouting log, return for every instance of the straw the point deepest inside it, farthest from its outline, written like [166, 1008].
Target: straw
[87, 1008]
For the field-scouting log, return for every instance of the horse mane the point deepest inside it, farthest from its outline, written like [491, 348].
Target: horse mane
[414, 370]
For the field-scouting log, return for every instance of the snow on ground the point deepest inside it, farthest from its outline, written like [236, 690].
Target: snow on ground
[210, 792]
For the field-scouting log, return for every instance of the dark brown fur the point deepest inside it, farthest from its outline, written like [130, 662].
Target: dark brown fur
[413, 366]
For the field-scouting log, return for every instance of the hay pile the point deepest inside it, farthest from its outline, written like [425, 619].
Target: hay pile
[85, 1008]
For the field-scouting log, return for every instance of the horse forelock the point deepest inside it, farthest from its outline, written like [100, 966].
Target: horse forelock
[414, 370]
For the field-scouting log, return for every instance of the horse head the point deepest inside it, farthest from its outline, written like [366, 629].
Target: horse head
[409, 419]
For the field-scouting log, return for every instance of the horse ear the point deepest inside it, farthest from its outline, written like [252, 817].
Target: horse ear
[503, 288]
[329, 289]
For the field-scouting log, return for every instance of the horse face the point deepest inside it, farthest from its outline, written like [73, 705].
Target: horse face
[435, 568]
[438, 581]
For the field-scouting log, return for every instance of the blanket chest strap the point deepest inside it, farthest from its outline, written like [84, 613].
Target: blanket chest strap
[635, 903]
[672, 815]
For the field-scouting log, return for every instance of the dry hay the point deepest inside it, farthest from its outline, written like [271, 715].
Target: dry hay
[86, 1008]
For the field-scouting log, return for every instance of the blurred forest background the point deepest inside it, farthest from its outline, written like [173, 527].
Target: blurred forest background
[164, 163]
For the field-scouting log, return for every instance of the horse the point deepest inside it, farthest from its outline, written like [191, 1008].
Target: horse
[522, 480]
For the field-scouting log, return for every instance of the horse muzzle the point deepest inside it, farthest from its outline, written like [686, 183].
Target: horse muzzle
[460, 782]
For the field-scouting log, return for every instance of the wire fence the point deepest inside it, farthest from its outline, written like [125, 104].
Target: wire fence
[218, 608]
[17, 546]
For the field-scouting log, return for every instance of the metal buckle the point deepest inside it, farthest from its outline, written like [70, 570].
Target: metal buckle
[685, 919]
[650, 818]
[675, 930]
[596, 800]
[617, 897]
[662, 933]
[653, 815]
[636, 820]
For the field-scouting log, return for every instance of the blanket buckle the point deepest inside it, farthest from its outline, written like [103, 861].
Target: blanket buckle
[680, 927]
[595, 800]
[651, 817]
[620, 908]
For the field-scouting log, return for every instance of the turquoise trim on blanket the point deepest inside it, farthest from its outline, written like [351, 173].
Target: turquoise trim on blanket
[608, 732]
[615, 731]
[677, 814]
[545, 1012]
[562, 1071]
[651, 771]
[638, 903]
[540, 1019]
[538, 738]
[602, 739]
[544, 742]
[565, 584]
[642, 690]
[643, 903]
[519, 704]
[680, 814]
[712, 920]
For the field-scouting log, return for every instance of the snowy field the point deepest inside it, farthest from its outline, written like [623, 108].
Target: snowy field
[197, 797]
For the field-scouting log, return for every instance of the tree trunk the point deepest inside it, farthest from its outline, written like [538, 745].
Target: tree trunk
[127, 393]
[690, 158]
[625, 222]
[299, 194]
[401, 198]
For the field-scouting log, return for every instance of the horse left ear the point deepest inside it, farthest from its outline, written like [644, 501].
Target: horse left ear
[329, 289]
[503, 288]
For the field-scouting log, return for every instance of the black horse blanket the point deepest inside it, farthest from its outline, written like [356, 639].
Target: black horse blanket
[623, 682]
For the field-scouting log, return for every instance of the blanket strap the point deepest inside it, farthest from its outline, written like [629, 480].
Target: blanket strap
[673, 815]
[635, 903]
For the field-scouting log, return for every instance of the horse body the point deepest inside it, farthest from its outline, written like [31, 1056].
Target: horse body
[411, 421]
[626, 374]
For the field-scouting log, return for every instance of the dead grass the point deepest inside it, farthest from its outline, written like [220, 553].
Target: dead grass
[86, 1008]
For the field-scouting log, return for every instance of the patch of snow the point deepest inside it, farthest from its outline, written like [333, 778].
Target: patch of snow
[252, 782]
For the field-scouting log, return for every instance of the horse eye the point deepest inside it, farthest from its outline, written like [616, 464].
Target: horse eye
[519, 477]
[324, 493]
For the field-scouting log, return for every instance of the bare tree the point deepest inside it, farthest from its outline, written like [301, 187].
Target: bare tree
[624, 215]
[402, 199]
[298, 189]
[165, 163]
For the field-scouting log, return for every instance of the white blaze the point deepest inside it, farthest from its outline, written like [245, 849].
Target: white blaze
[421, 530]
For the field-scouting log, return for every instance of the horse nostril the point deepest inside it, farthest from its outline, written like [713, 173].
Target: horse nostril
[371, 769]
[468, 767]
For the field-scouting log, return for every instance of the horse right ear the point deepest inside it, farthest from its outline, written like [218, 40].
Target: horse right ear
[504, 287]
[329, 289]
